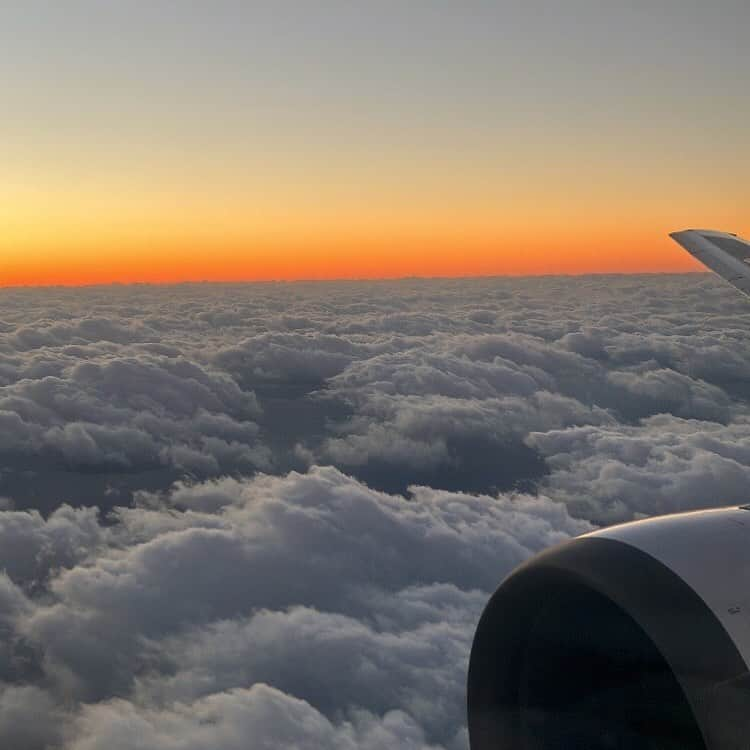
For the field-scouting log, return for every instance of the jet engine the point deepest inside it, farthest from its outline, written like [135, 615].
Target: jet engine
[634, 636]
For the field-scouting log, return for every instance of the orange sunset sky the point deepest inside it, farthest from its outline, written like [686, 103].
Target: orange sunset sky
[223, 141]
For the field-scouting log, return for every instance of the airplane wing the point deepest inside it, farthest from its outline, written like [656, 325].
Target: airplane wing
[726, 254]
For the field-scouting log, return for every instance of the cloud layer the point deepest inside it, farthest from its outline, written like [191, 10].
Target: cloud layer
[306, 608]
[270, 515]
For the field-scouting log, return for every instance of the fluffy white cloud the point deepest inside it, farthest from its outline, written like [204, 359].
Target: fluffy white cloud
[662, 465]
[260, 717]
[356, 607]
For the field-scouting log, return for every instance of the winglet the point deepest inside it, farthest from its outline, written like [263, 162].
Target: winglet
[723, 252]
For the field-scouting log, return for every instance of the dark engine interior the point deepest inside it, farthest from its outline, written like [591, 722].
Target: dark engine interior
[590, 678]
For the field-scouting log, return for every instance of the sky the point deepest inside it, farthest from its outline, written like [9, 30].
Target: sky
[276, 511]
[170, 141]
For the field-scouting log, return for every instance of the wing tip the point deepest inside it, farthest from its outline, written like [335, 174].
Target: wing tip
[703, 232]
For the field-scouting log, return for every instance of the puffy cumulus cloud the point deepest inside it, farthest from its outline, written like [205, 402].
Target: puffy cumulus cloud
[31, 547]
[419, 670]
[453, 407]
[454, 410]
[29, 718]
[283, 358]
[417, 440]
[305, 608]
[472, 444]
[262, 716]
[126, 412]
[667, 391]
[112, 390]
[294, 533]
[129, 413]
[662, 465]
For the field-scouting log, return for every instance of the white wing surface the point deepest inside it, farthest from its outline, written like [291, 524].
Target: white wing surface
[726, 254]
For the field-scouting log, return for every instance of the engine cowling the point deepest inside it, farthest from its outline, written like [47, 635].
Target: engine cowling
[634, 636]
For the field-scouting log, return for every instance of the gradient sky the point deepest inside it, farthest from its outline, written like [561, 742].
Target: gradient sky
[165, 141]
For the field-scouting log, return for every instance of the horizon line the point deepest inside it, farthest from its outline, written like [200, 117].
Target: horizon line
[349, 279]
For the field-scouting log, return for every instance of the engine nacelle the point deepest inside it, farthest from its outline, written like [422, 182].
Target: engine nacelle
[634, 636]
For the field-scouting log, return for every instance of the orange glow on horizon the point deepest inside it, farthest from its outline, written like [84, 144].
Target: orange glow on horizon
[352, 259]
[351, 219]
